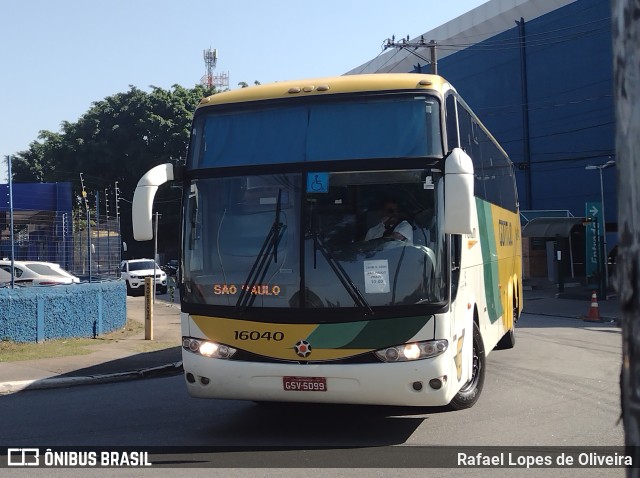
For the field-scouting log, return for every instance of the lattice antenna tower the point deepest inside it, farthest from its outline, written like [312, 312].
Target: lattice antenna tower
[210, 79]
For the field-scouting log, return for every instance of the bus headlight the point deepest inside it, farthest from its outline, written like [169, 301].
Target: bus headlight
[413, 351]
[208, 349]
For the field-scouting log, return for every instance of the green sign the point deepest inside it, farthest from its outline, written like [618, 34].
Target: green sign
[593, 236]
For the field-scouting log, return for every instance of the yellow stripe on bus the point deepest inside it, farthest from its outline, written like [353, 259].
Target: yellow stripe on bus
[267, 339]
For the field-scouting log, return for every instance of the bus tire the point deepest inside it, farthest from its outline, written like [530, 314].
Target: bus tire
[508, 340]
[470, 392]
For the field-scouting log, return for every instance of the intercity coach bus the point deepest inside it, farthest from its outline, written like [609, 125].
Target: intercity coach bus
[344, 240]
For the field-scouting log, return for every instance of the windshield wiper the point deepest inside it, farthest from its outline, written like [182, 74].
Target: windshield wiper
[341, 274]
[268, 252]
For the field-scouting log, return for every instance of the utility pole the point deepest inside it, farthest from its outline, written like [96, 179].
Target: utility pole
[434, 57]
[412, 48]
[626, 86]
[155, 255]
[524, 88]
[86, 203]
[13, 252]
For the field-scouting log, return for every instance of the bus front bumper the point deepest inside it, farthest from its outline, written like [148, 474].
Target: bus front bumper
[402, 383]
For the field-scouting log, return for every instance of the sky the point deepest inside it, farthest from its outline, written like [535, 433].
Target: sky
[57, 57]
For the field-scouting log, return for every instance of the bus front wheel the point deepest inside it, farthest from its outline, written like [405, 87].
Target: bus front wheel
[470, 392]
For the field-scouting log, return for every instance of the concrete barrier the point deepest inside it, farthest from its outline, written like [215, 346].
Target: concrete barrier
[35, 314]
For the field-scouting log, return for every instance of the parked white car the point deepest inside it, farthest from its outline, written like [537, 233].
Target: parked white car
[135, 271]
[34, 273]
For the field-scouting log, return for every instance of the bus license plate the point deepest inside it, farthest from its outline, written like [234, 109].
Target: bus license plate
[304, 384]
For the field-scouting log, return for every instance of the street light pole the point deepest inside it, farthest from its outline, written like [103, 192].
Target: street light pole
[600, 167]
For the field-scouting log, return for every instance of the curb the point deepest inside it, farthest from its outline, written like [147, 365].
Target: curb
[603, 320]
[7, 388]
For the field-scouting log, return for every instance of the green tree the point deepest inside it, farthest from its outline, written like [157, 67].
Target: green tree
[40, 160]
[244, 84]
[118, 139]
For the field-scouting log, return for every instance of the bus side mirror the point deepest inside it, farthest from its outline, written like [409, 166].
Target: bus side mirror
[142, 208]
[459, 202]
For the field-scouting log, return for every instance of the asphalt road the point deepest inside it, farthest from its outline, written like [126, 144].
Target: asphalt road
[558, 387]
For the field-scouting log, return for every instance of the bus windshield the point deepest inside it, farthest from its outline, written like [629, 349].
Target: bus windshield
[315, 240]
[401, 126]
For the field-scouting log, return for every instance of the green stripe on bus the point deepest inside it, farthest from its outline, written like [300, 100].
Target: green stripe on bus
[367, 334]
[489, 259]
[385, 332]
[335, 336]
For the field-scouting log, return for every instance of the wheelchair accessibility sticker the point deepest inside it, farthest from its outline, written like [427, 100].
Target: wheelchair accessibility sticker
[318, 182]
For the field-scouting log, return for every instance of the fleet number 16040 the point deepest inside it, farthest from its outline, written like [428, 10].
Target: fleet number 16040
[257, 335]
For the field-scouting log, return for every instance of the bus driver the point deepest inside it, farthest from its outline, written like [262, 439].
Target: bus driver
[392, 224]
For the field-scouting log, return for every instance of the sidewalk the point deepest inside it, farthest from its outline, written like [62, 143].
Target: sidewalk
[541, 297]
[127, 358]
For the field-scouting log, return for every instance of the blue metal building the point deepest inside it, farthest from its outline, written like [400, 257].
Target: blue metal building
[539, 75]
[42, 221]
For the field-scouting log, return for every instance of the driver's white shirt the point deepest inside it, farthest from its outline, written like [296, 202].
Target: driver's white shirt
[403, 228]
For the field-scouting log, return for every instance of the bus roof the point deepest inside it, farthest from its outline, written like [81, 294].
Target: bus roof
[328, 85]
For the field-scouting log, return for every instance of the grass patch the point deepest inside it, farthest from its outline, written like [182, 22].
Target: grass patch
[18, 351]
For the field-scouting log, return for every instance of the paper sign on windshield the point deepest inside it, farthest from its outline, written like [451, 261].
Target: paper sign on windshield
[376, 276]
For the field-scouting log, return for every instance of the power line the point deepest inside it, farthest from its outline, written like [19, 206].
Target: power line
[513, 45]
[537, 38]
[558, 133]
[533, 40]
[388, 60]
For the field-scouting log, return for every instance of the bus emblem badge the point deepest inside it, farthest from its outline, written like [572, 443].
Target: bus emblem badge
[303, 348]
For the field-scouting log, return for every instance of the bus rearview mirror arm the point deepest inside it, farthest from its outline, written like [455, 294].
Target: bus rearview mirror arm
[145, 192]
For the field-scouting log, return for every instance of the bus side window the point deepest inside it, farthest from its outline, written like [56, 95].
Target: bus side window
[469, 143]
[453, 140]
[466, 134]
